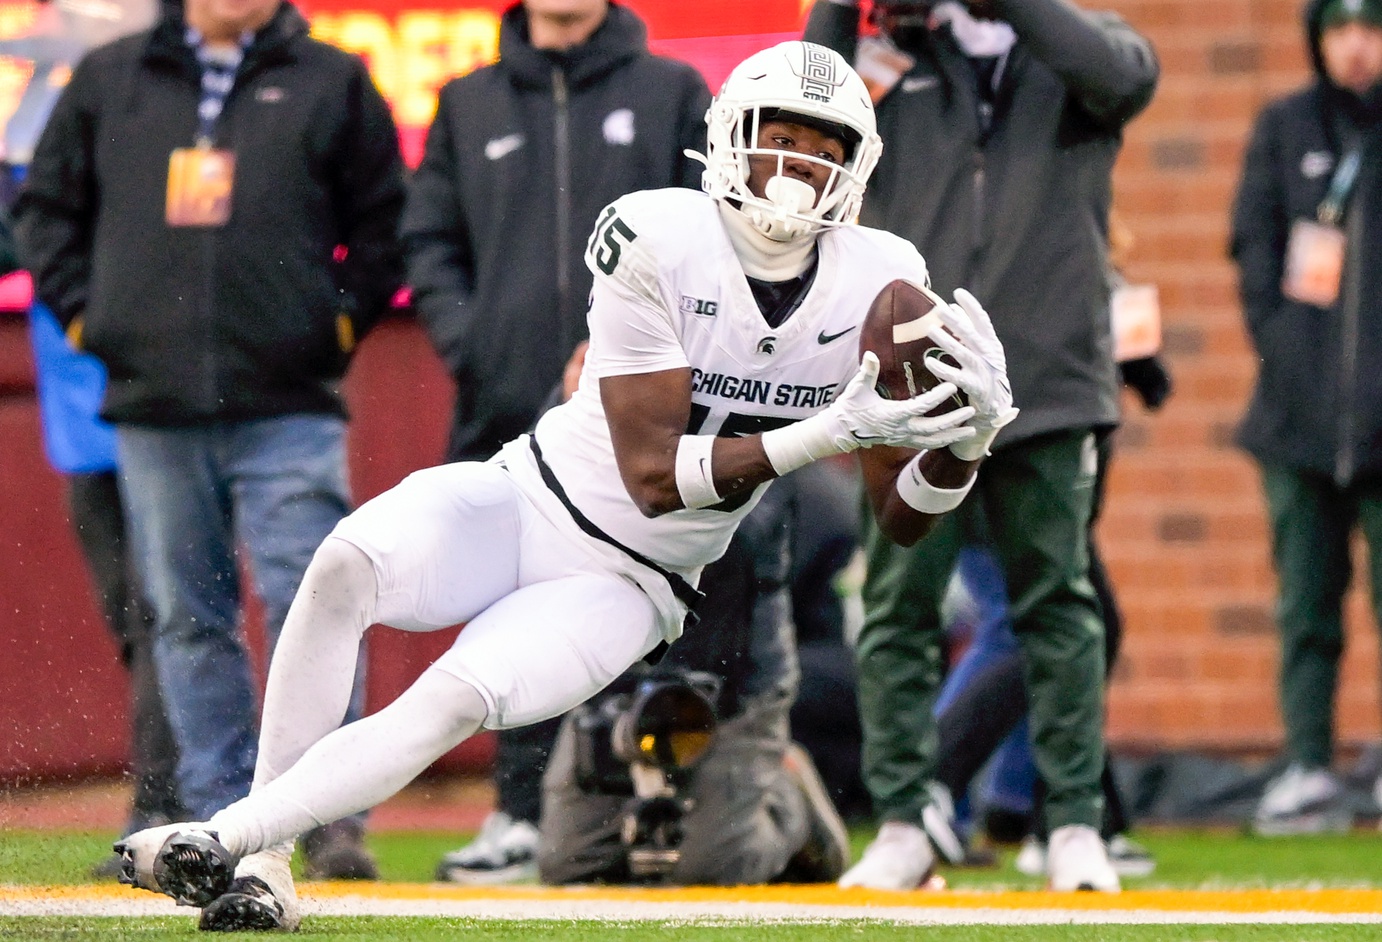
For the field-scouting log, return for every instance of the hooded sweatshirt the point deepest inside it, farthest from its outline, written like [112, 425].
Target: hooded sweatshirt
[1317, 404]
[520, 159]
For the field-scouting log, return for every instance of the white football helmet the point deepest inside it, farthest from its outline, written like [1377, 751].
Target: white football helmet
[810, 82]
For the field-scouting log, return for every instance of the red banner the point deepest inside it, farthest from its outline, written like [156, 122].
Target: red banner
[412, 50]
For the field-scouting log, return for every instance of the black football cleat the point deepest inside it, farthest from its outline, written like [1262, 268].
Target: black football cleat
[194, 868]
[247, 906]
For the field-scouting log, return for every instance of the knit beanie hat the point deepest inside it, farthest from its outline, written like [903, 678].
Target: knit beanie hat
[1339, 12]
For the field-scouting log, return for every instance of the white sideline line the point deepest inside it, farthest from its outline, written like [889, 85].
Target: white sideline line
[696, 912]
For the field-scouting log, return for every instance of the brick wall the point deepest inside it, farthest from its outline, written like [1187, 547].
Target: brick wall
[1183, 531]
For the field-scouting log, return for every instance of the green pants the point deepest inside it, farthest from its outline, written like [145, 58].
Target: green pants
[1036, 497]
[1312, 520]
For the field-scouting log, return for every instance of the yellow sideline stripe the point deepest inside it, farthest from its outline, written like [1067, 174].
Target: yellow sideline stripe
[1323, 901]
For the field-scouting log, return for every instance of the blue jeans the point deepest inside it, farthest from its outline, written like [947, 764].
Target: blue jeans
[195, 498]
[993, 636]
[1012, 770]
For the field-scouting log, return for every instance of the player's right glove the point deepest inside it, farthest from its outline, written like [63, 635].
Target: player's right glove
[982, 372]
[861, 418]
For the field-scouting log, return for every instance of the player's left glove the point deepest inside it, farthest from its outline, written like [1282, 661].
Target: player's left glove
[982, 372]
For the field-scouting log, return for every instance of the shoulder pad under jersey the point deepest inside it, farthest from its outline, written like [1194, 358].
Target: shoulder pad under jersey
[894, 255]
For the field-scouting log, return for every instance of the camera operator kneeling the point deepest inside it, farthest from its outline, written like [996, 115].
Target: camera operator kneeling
[685, 772]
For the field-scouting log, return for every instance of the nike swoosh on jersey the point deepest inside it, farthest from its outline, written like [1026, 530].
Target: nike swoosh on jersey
[916, 83]
[503, 146]
[824, 338]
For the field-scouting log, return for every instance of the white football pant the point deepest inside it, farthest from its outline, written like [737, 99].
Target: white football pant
[546, 628]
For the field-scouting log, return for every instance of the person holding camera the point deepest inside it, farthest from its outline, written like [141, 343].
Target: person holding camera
[730, 799]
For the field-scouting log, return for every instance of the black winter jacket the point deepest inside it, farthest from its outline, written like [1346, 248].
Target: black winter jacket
[519, 162]
[1018, 216]
[235, 322]
[1317, 405]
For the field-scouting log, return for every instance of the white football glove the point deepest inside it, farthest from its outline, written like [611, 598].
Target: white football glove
[982, 372]
[860, 418]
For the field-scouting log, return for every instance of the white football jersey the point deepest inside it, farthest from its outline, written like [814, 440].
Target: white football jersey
[670, 293]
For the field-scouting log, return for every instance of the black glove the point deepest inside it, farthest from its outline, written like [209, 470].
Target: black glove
[1148, 378]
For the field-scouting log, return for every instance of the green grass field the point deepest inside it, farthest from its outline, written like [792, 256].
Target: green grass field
[1186, 860]
[396, 929]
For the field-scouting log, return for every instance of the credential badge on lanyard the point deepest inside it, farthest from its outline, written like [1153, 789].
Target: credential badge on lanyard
[1315, 251]
[201, 179]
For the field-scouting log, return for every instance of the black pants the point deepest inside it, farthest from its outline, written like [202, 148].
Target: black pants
[99, 523]
[520, 758]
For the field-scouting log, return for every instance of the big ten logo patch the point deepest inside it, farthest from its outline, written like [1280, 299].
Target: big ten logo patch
[819, 75]
[690, 305]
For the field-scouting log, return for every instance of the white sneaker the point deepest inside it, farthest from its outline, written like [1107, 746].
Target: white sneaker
[261, 898]
[1031, 857]
[1076, 859]
[505, 851]
[1302, 801]
[900, 858]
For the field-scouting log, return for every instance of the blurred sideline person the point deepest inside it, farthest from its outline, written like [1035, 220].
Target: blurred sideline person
[212, 212]
[81, 447]
[1001, 122]
[825, 542]
[77, 443]
[986, 694]
[520, 159]
[1308, 247]
[574, 553]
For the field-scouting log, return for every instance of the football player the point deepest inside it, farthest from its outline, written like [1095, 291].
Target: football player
[723, 353]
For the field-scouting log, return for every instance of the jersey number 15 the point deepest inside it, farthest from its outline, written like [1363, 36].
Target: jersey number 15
[604, 244]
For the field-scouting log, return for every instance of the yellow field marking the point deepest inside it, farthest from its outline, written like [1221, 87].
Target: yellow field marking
[1247, 901]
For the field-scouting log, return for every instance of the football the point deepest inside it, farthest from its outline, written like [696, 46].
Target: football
[898, 329]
